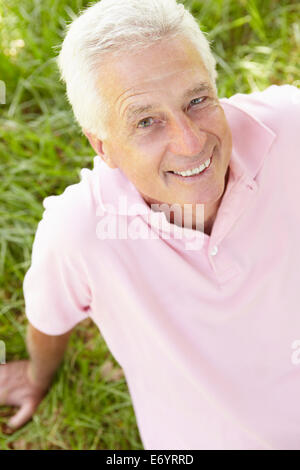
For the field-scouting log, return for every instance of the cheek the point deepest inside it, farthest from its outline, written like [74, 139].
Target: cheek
[140, 164]
[226, 137]
[212, 119]
[223, 125]
[149, 152]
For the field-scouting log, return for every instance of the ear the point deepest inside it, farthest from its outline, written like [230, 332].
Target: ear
[97, 145]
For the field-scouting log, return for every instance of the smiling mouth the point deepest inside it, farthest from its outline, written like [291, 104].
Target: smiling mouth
[196, 171]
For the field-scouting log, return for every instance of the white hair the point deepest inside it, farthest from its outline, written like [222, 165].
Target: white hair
[112, 27]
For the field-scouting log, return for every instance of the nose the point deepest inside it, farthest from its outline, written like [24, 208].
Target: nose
[186, 139]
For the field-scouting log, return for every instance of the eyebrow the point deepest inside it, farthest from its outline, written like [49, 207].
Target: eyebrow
[135, 110]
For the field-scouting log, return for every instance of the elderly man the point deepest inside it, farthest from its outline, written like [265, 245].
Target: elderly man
[181, 244]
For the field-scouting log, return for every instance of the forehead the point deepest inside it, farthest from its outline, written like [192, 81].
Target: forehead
[135, 110]
[174, 66]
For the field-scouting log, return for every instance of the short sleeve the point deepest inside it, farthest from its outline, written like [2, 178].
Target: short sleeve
[55, 287]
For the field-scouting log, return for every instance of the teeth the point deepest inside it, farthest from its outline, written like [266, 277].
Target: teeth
[195, 171]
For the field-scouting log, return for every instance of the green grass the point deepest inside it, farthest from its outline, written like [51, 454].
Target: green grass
[256, 43]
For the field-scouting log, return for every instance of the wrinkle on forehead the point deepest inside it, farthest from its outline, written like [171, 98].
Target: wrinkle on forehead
[122, 101]
[123, 111]
[147, 72]
[131, 92]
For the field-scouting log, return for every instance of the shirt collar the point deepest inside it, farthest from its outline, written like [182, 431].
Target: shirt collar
[251, 142]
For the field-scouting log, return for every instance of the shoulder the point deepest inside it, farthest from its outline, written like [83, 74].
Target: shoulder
[278, 106]
[69, 218]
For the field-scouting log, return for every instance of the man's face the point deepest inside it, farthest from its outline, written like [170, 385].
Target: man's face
[182, 130]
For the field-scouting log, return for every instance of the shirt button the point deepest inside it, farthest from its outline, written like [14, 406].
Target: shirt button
[214, 251]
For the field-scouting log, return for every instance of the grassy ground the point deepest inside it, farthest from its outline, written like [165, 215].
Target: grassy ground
[256, 42]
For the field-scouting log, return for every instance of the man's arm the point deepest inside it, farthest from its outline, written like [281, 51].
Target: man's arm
[46, 353]
[24, 383]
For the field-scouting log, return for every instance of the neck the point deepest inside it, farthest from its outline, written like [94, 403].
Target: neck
[191, 215]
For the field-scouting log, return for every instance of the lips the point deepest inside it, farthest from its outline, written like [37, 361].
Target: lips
[195, 165]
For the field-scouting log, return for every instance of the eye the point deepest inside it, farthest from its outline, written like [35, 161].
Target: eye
[203, 98]
[144, 120]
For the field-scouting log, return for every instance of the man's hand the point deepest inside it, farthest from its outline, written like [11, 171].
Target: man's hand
[18, 389]
[25, 383]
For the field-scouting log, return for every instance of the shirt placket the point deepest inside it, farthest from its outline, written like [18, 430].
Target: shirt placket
[236, 203]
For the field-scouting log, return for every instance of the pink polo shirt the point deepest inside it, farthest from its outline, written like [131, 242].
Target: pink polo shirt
[208, 335]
